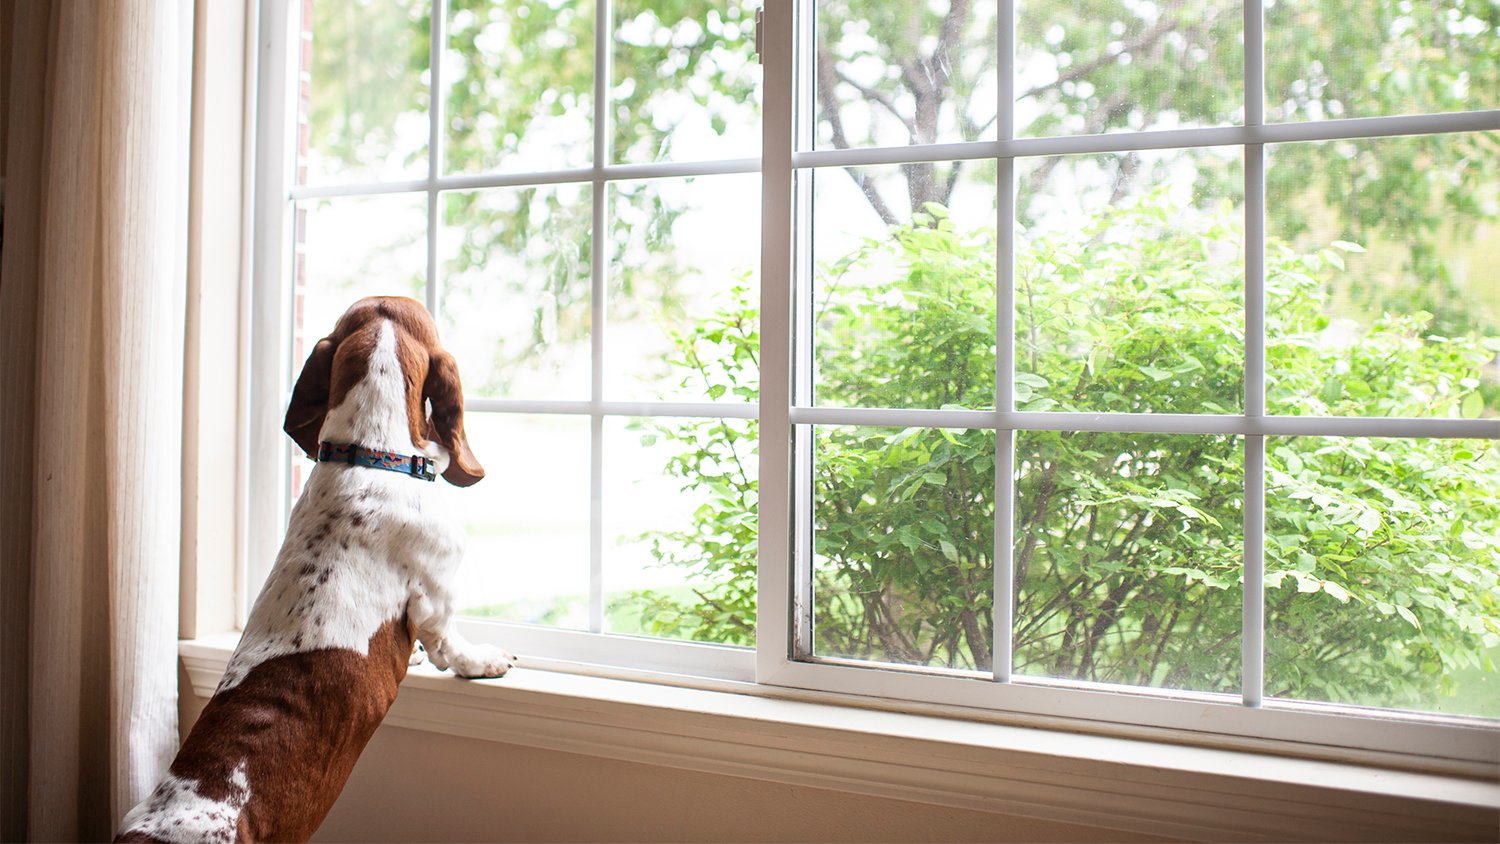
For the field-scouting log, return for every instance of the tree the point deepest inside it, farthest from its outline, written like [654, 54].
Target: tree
[1380, 554]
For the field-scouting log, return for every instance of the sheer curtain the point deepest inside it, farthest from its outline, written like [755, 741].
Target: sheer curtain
[91, 351]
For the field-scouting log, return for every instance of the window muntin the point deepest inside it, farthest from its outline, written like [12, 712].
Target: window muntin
[1013, 422]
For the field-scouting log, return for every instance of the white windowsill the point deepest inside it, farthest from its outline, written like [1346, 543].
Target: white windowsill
[1141, 786]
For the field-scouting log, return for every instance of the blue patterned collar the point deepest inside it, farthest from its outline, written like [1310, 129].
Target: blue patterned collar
[416, 465]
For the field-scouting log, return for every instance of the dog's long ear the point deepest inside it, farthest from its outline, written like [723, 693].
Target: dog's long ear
[304, 416]
[443, 389]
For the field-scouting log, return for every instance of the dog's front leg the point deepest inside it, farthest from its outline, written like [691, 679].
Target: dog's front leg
[436, 629]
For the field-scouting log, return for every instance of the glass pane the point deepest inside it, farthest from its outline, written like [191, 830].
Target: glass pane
[1381, 270]
[1127, 558]
[1085, 68]
[516, 303]
[685, 81]
[890, 74]
[903, 546]
[904, 302]
[527, 521]
[1130, 283]
[1382, 583]
[684, 306]
[366, 99]
[1337, 58]
[520, 85]
[354, 247]
[680, 528]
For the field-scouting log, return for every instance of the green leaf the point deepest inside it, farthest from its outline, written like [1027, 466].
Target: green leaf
[1336, 591]
[1347, 246]
[949, 550]
[1410, 618]
[1473, 406]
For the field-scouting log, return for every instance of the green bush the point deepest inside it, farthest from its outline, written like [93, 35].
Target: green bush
[1381, 555]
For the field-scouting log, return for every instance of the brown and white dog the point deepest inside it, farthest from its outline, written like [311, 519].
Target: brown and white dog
[365, 569]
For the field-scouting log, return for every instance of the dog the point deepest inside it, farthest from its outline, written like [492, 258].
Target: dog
[363, 574]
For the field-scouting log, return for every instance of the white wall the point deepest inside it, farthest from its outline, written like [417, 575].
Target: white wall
[419, 786]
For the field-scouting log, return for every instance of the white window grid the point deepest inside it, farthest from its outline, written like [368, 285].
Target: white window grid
[788, 415]
[783, 655]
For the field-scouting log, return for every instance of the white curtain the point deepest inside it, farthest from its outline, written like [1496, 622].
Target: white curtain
[91, 345]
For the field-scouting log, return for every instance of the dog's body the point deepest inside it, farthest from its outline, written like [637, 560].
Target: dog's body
[363, 572]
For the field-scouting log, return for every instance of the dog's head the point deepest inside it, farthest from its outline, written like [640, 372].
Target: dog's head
[340, 360]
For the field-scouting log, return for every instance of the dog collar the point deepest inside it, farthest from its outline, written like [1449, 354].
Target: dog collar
[416, 465]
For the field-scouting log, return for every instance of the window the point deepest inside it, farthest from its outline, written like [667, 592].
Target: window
[1134, 362]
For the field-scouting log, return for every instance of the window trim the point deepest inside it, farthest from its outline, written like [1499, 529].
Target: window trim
[1438, 743]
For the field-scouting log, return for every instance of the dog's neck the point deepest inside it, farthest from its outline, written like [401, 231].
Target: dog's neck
[373, 412]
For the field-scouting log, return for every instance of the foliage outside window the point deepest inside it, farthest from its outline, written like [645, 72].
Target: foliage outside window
[1382, 299]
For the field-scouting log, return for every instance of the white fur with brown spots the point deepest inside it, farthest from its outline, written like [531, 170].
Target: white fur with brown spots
[367, 562]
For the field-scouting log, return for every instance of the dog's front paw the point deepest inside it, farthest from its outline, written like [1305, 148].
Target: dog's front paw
[481, 661]
[418, 655]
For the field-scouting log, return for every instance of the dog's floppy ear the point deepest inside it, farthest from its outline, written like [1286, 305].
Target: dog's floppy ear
[304, 416]
[447, 422]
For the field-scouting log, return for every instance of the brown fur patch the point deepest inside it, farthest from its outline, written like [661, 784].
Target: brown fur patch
[299, 723]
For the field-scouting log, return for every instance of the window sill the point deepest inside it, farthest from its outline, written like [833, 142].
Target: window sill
[1141, 786]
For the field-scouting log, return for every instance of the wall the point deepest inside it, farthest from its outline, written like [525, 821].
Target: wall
[418, 786]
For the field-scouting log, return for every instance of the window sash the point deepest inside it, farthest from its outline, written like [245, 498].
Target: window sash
[783, 655]
[785, 652]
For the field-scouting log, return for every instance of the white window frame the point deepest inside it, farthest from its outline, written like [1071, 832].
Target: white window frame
[782, 662]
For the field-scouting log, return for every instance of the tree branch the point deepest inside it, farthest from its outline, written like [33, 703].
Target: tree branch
[827, 79]
[1146, 39]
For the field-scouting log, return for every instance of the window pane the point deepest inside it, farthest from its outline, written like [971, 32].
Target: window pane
[685, 81]
[356, 247]
[1327, 59]
[520, 85]
[683, 320]
[1084, 68]
[1383, 573]
[516, 303]
[527, 521]
[1127, 558]
[903, 545]
[368, 91]
[1130, 283]
[680, 528]
[917, 72]
[1381, 270]
[904, 303]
